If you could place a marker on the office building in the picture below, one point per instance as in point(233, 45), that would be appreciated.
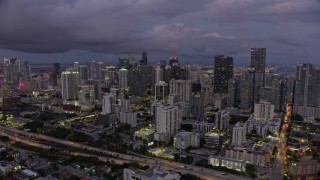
point(258, 62)
point(84, 73)
point(123, 79)
point(233, 97)
point(124, 63)
point(140, 80)
point(223, 71)
point(197, 107)
point(161, 91)
point(144, 60)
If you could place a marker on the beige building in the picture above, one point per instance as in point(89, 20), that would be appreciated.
point(258, 158)
point(306, 167)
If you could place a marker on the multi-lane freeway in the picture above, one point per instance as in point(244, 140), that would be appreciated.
point(28, 138)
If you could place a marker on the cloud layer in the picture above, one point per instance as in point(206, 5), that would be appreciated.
point(193, 30)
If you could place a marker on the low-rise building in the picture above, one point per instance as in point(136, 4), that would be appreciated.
point(229, 163)
point(153, 173)
point(214, 138)
point(306, 167)
point(241, 153)
point(183, 140)
point(145, 134)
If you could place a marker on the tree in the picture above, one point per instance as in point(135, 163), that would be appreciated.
point(250, 170)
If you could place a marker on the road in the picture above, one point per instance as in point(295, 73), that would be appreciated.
point(203, 173)
point(278, 169)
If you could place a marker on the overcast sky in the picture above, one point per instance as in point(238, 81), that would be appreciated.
point(194, 30)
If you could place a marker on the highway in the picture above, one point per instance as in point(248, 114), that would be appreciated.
point(203, 173)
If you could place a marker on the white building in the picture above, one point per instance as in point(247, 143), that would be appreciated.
point(69, 84)
point(158, 76)
point(263, 110)
point(239, 133)
point(153, 173)
point(129, 117)
point(183, 140)
point(107, 104)
point(261, 127)
point(167, 119)
point(123, 79)
point(125, 105)
point(182, 88)
point(145, 134)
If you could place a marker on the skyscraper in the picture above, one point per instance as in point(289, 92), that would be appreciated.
point(144, 60)
point(307, 89)
point(140, 79)
point(223, 71)
point(181, 87)
point(123, 79)
point(258, 61)
point(124, 63)
point(161, 91)
point(84, 73)
point(55, 73)
point(69, 84)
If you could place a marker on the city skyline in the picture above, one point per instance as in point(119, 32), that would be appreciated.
point(195, 32)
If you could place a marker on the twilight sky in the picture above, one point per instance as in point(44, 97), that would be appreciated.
point(194, 30)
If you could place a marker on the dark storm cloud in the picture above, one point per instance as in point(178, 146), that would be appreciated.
point(193, 29)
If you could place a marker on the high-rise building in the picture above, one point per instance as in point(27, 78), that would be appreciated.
point(11, 75)
point(239, 133)
point(307, 89)
point(84, 73)
point(124, 63)
point(86, 96)
point(263, 110)
point(161, 91)
point(99, 67)
point(182, 88)
point(173, 60)
point(197, 107)
point(221, 119)
point(140, 79)
point(131, 58)
point(107, 104)
point(69, 84)
point(167, 119)
point(54, 73)
point(123, 79)
point(223, 71)
point(258, 61)
point(144, 60)
point(158, 74)
point(233, 92)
